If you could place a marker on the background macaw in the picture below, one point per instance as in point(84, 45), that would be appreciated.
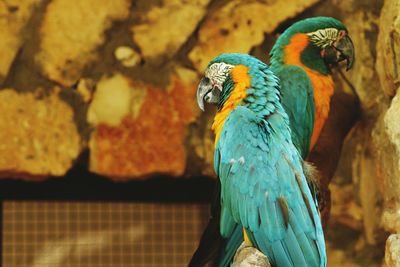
point(301, 59)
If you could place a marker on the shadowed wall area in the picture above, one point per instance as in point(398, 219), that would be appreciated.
point(106, 89)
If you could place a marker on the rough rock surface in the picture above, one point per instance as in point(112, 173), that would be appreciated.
point(145, 131)
point(388, 47)
point(71, 32)
point(389, 167)
point(247, 256)
point(30, 146)
point(240, 25)
point(392, 256)
point(14, 15)
point(383, 169)
point(165, 27)
point(115, 97)
point(127, 56)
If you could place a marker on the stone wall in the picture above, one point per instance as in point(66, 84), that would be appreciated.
point(117, 80)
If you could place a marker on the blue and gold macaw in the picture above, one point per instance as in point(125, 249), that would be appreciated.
point(263, 186)
point(301, 59)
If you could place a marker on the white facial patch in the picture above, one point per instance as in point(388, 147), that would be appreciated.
point(218, 72)
point(324, 37)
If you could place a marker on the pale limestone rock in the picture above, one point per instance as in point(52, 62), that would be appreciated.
point(166, 27)
point(391, 219)
point(85, 88)
point(240, 25)
point(14, 16)
point(70, 33)
point(392, 251)
point(379, 176)
point(390, 163)
point(392, 125)
point(114, 98)
point(247, 256)
point(30, 146)
point(388, 47)
point(127, 56)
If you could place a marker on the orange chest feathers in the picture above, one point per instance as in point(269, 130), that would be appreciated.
point(322, 84)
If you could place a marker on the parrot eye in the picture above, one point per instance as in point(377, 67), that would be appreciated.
point(329, 54)
point(206, 80)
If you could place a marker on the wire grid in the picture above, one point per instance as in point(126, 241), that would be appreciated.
point(66, 234)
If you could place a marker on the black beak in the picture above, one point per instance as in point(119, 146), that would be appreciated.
point(207, 93)
point(346, 49)
point(341, 50)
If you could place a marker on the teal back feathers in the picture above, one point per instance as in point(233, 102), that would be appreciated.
point(259, 169)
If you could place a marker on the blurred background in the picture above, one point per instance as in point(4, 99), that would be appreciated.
point(105, 159)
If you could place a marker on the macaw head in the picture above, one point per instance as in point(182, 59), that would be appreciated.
point(221, 76)
point(317, 43)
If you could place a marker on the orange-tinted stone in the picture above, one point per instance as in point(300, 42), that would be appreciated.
point(152, 142)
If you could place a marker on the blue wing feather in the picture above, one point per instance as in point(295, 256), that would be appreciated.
point(258, 164)
point(298, 102)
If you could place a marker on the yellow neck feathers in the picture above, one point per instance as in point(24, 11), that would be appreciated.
point(241, 80)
